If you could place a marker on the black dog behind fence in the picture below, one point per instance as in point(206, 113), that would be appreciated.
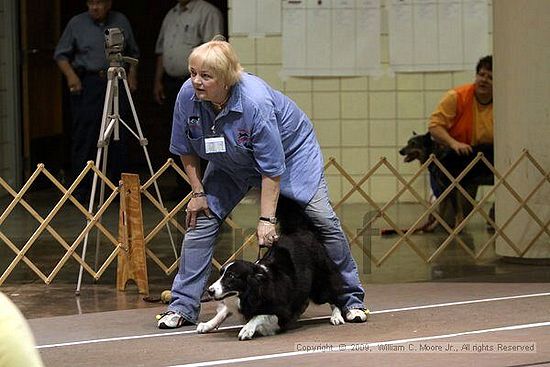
point(455, 205)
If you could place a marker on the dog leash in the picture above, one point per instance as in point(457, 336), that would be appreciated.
point(260, 247)
point(275, 238)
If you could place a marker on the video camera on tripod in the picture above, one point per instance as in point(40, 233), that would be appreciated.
point(110, 121)
point(114, 46)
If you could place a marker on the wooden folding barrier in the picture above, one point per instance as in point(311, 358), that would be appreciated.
point(136, 244)
point(131, 260)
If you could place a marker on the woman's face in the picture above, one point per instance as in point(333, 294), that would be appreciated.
point(207, 86)
point(484, 82)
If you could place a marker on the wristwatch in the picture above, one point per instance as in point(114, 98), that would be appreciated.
point(272, 220)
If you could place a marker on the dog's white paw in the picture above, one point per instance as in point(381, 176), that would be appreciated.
point(204, 327)
point(247, 332)
point(337, 318)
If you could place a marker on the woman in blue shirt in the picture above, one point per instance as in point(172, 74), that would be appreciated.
point(252, 136)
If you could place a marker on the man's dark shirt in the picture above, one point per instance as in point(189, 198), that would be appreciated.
point(83, 41)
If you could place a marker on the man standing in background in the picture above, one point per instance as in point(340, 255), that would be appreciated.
point(187, 25)
point(80, 55)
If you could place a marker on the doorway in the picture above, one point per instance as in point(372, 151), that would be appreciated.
point(45, 100)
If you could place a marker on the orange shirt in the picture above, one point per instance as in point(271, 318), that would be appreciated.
point(463, 117)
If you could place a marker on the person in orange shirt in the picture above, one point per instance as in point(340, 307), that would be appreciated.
point(464, 119)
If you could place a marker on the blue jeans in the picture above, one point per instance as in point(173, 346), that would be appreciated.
point(194, 269)
point(322, 216)
point(198, 248)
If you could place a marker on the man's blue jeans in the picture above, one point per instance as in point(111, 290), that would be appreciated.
point(198, 248)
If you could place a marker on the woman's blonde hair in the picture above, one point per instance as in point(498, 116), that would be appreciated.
point(218, 56)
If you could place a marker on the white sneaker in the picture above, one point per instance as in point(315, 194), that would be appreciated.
point(171, 320)
point(357, 315)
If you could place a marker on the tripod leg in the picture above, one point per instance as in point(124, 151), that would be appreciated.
point(113, 127)
point(100, 202)
point(107, 108)
point(90, 209)
point(143, 143)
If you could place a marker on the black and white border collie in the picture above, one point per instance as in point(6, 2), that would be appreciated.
point(272, 293)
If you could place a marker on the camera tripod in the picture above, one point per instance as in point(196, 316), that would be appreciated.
point(110, 122)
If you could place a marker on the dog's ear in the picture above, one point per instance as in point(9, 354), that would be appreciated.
point(427, 139)
point(254, 290)
point(259, 273)
point(255, 278)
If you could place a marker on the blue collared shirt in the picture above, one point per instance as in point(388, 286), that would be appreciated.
point(83, 41)
point(265, 134)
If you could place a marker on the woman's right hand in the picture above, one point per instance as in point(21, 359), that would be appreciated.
point(195, 207)
point(461, 148)
point(266, 233)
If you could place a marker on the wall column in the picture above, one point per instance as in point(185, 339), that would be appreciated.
point(521, 36)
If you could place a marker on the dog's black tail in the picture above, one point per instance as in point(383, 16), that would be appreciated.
point(291, 216)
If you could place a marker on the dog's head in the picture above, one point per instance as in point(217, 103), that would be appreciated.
point(418, 147)
point(236, 278)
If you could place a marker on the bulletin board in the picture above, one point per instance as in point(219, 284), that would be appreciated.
point(437, 35)
point(331, 37)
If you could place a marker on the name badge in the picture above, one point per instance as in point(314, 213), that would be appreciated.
point(214, 145)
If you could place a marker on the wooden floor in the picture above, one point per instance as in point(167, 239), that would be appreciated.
point(469, 322)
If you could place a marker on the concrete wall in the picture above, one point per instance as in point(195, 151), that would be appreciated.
point(522, 115)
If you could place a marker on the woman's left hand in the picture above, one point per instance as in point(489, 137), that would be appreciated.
point(267, 234)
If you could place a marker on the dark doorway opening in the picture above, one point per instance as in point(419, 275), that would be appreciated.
point(47, 118)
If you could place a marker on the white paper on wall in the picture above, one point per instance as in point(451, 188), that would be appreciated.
point(256, 17)
point(331, 37)
point(437, 35)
